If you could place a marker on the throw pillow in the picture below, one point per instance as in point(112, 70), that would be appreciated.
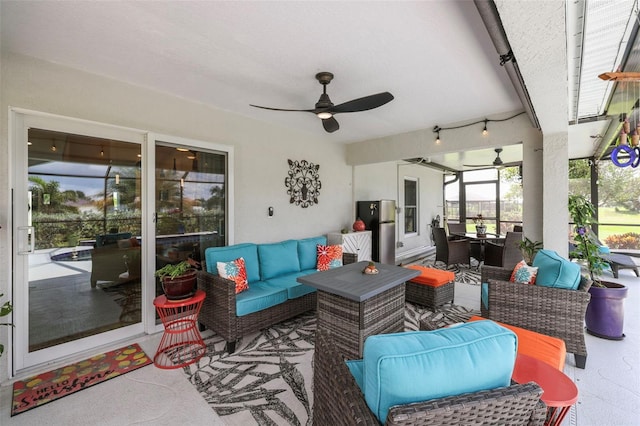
point(524, 273)
point(329, 257)
point(235, 271)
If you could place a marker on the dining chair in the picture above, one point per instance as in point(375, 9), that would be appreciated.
point(505, 255)
point(517, 228)
point(456, 230)
point(450, 252)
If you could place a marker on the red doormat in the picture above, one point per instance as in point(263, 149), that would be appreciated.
point(46, 387)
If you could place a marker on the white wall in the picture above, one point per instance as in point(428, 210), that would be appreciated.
point(261, 150)
point(381, 181)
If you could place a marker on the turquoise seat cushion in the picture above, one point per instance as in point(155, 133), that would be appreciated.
point(248, 251)
point(356, 367)
point(308, 251)
point(259, 296)
point(484, 295)
point(556, 271)
point(278, 259)
point(401, 368)
point(293, 287)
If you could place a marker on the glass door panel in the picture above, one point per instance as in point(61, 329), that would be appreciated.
point(480, 198)
point(84, 218)
point(191, 203)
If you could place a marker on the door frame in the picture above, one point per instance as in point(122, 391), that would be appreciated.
point(20, 119)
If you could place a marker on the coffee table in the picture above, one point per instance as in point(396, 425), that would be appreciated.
point(559, 392)
point(353, 306)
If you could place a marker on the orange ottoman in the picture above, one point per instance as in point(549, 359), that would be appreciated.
point(550, 350)
point(432, 288)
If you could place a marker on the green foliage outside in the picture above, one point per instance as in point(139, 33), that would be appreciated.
point(618, 200)
point(5, 310)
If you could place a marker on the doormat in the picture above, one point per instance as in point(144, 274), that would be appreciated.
point(46, 387)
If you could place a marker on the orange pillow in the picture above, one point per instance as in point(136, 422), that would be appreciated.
point(524, 273)
point(329, 257)
point(235, 271)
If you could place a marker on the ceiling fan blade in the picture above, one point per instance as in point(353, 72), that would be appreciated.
point(363, 104)
point(330, 124)
point(478, 165)
point(281, 109)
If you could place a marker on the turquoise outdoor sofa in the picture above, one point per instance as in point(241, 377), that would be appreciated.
point(273, 296)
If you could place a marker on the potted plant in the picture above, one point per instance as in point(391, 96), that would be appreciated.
point(481, 228)
point(178, 280)
point(605, 312)
point(529, 249)
point(5, 310)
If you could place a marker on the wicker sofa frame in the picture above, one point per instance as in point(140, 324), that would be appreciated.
point(218, 311)
point(552, 311)
point(338, 400)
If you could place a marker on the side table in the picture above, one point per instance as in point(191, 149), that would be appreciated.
point(559, 391)
point(181, 343)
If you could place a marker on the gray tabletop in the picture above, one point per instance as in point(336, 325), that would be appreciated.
point(350, 282)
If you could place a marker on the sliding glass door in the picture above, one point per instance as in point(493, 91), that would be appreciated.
point(96, 210)
point(190, 199)
point(78, 221)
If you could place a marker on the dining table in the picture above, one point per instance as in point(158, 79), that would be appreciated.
point(478, 243)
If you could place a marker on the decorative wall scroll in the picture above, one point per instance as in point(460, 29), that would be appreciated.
point(303, 183)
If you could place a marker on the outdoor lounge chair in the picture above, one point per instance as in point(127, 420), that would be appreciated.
point(339, 401)
point(552, 311)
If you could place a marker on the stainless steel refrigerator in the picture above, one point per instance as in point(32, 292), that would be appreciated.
point(380, 218)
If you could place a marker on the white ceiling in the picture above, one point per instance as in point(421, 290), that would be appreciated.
point(435, 57)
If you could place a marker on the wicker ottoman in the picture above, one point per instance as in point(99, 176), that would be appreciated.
point(432, 288)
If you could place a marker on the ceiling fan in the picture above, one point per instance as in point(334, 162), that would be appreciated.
point(496, 163)
point(325, 109)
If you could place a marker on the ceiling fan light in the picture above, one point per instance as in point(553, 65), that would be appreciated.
point(324, 115)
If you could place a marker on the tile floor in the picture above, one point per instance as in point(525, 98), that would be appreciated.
point(609, 387)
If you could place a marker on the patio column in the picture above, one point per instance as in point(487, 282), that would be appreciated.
point(532, 187)
point(555, 214)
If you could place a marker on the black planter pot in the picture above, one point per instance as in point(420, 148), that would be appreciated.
point(605, 312)
point(181, 287)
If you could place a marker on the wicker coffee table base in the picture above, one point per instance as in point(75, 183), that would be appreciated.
point(350, 323)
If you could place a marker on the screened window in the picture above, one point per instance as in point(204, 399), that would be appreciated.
point(410, 206)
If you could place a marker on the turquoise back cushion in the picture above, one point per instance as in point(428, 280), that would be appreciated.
point(278, 259)
point(248, 251)
point(556, 271)
point(308, 252)
point(401, 368)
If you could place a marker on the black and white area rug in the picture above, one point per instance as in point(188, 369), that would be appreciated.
point(269, 379)
point(468, 274)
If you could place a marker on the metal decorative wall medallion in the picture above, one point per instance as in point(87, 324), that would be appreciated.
point(303, 183)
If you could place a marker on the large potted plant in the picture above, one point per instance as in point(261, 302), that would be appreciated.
point(178, 280)
point(605, 312)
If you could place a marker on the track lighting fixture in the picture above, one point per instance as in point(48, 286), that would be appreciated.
point(53, 146)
